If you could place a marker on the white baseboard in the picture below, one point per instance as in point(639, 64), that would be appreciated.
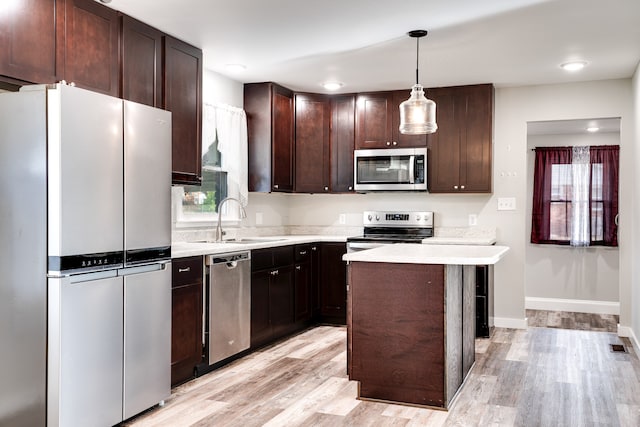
point(626, 331)
point(574, 305)
point(509, 322)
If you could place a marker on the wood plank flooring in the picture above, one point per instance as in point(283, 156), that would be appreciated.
point(534, 377)
point(571, 320)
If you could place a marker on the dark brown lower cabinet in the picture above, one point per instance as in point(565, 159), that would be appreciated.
point(186, 318)
point(303, 283)
point(333, 283)
point(411, 334)
point(272, 294)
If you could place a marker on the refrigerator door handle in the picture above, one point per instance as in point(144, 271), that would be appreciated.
point(88, 277)
point(160, 265)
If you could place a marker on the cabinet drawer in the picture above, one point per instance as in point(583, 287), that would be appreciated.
point(282, 256)
point(186, 271)
point(302, 253)
point(261, 259)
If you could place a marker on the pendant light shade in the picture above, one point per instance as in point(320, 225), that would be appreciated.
point(417, 114)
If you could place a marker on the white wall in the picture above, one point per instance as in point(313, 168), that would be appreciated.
point(218, 89)
point(555, 272)
point(633, 227)
point(514, 108)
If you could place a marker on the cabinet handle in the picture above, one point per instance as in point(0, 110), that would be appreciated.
point(298, 268)
point(462, 187)
point(395, 143)
point(455, 187)
point(303, 252)
point(388, 143)
point(326, 188)
point(184, 270)
point(276, 186)
point(350, 188)
point(274, 273)
point(314, 248)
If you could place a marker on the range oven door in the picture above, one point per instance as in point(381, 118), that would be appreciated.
point(390, 169)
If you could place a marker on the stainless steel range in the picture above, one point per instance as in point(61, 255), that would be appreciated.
point(388, 227)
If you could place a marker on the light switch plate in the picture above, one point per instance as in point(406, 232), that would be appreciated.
point(342, 219)
point(473, 220)
point(506, 203)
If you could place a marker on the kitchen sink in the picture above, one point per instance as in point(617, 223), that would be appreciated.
point(245, 240)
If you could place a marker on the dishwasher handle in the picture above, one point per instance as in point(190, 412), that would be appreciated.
point(228, 258)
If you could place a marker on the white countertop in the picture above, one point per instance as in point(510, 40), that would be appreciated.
point(185, 249)
point(407, 253)
point(455, 240)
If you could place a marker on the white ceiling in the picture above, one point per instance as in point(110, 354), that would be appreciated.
point(363, 43)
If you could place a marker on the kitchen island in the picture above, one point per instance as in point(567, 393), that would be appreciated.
point(410, 319)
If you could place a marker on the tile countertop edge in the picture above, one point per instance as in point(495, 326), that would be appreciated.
point(186, 249)
point(431, 254)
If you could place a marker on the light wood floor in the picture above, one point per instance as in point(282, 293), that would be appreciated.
point(534, 377)
point(571, 320)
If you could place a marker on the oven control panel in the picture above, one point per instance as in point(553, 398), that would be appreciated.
point(397, 219)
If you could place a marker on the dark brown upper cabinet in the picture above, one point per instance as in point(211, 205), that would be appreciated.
point(459, 159)
point(91, 58)
point(183, 97)
point(312, 156)
point(32, 40)
point(378, 120)
point(342, 142)
point(270, 120)
point(141, 62)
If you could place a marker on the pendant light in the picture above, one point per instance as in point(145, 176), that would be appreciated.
point(417, 114)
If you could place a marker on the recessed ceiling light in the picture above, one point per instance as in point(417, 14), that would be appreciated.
point(573, 66)
point(332, 85)
point(235, 68)
point(105, 1)
point(593, 129)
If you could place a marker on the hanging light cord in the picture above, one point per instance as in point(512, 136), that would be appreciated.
point(417, 58)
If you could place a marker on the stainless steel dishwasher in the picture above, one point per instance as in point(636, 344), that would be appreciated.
point(229, 305)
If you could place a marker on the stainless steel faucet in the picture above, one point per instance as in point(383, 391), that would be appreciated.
point(243, 214)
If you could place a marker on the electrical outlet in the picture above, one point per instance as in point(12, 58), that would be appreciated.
point(342, 219)
point(506, 203)
point(473, 220)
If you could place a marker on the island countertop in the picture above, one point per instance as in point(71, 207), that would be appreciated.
point(408, 253)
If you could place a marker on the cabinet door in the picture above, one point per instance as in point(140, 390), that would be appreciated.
point(141, 62)
point(281, 301)
point(312, 125)
point(342, 142)
point(333, 286)
point(186, 318)
point(476, 139)
point(91, 59)
point(260, 325)
point(460, 150)
point(282, 140)
point(183, 97)
point(31, 37)
point(315, 280)
point(443, 160)
point(302, 279)
point(374, 120)
point(399, 139)
point(303, 291)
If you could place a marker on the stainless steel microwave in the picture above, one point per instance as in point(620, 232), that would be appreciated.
point(403, 169)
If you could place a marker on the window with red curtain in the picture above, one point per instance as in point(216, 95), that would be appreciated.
point(575, 202)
